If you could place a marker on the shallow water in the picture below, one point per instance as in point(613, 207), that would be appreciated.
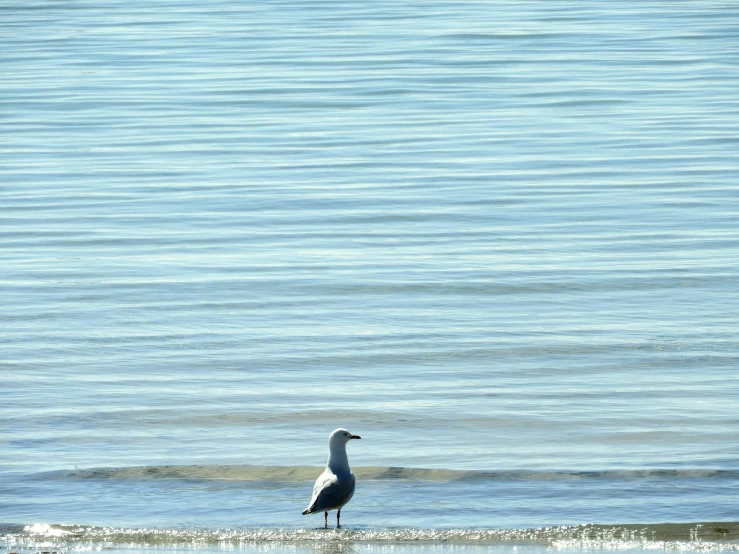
point(497, 240)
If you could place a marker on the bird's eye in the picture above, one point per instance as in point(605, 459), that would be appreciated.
point(346, 435)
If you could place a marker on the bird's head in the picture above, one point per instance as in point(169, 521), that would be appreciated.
point(341, 436)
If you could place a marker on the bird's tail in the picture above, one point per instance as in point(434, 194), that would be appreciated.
point(308, 511)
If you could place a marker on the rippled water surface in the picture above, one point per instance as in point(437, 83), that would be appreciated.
point(498, 240)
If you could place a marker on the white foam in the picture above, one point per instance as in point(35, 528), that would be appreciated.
point(45, 529)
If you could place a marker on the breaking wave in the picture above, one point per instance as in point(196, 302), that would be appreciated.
point(308, 473)
point(706, 536)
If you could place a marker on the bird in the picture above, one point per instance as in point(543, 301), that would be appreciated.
point(335, 486)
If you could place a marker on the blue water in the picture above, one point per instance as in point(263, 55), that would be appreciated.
point(496, 239)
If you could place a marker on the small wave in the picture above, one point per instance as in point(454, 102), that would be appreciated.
point(308, 474)
point(702, 536)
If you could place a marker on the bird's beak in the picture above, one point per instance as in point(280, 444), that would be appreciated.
point(355, 437)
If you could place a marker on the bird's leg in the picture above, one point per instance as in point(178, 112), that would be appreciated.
point(338, 517)
point(325, 520)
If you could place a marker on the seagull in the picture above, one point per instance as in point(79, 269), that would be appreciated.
point(335, 486)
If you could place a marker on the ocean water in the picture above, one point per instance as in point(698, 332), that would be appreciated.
point(499, 240)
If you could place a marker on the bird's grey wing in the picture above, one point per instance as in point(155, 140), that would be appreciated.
point(324, 480)
point(335, 491)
